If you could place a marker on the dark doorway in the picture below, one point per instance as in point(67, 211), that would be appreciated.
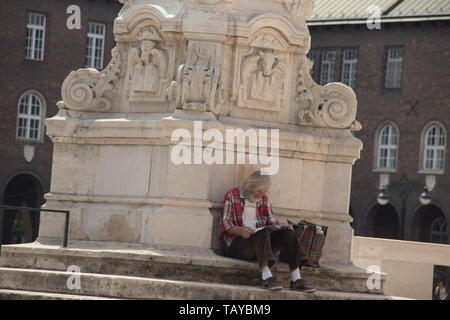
point(19, 227)
point(430, 225)
point(383, 222)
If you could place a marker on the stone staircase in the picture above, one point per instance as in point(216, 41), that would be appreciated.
point(116, 271)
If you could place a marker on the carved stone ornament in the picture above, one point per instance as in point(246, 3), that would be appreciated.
point(197, 79)
point(263, 71)
point(333, 105)
point(209, 2)
point(126, 5)
point(28, 153)
point(262, 80)
point(88, 89)
point(299, 8)
point(147, 68)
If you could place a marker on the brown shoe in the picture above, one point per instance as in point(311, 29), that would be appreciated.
point(301, 285)
point(271, 284)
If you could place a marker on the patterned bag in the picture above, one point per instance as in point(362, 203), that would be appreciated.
point(312, 238)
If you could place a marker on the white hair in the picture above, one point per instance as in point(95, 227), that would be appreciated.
point(256, 179)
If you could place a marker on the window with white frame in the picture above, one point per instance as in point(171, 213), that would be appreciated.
point(35, 37)
point(387, 147)
point(434, 148)
point(327, 66)
point(95, 45)
point(394, 67)
point(349, 65)
point(29, 117)
point(438, 232)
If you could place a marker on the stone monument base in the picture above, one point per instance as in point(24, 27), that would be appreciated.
point(118, 176)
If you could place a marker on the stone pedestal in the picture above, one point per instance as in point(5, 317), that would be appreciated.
point(206, 68)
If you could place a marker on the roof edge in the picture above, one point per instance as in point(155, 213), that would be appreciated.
point(363, 20)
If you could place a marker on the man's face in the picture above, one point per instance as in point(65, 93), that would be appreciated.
point(260, 191)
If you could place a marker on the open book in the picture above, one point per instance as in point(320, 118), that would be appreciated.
point(272, 228)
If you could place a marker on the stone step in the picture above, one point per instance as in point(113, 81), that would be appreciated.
point(127, 287)
point(6, 294)
point(180, 264)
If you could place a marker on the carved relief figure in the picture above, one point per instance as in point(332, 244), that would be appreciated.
point(197, 76)
point(147, 67)
point(197, 79)
point(262, 77)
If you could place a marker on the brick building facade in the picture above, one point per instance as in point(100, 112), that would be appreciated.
point(401, 75)
point(397, 106)
point(37, 51)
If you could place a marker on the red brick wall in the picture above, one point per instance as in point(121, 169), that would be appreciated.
point(64, 51)
point(426, 80)
point(426, 74)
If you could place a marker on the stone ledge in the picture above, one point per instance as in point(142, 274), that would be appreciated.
point(146, 288)
point(6, 294)
point(191, 264)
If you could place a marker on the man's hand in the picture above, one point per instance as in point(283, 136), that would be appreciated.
point(244, 232)
point(247, 232)
point(290, 227)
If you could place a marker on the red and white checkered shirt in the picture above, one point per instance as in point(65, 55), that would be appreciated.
point(232, 210)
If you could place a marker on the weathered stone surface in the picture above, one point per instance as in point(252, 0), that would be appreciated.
point(146, 288)
point(229, 65)
point(189, 265)
point(6, 294)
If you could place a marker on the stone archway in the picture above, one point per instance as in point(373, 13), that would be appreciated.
point(18, 227)
point(430, 225)
point(382, 222)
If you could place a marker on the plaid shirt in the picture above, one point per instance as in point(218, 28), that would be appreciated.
point(232, 210)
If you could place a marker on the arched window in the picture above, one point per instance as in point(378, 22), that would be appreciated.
point(434, 148)
point(29, 118)
point(387, 147)
point(438, 232)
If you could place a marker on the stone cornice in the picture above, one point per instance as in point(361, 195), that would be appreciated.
point(156, 129)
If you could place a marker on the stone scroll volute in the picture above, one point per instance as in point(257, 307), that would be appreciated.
point(90, 90)
point(333, 105)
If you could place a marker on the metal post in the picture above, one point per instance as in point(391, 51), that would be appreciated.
point(66, 229)
point(31, 210)
point(402, 218)
point(2, 213)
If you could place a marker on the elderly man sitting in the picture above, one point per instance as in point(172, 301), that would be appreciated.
point(244, 211)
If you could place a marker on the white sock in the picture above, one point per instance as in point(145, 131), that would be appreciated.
point(266, 274)
point(295, 275)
